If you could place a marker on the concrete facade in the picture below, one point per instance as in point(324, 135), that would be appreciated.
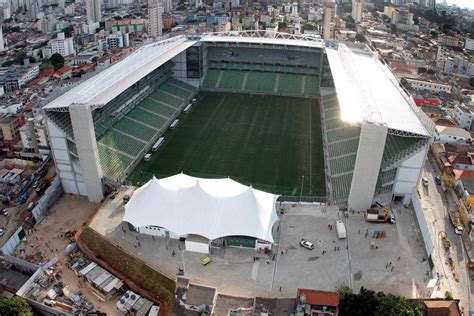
point(86, 145)
point(367, 165)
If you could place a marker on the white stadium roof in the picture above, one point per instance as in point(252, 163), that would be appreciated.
point(211, 208)
point(368, 91)
point(108, 84)
point(263, 37)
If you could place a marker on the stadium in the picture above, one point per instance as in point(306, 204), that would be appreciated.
point(290, 115)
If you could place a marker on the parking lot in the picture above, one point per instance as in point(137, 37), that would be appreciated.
point(357, 261)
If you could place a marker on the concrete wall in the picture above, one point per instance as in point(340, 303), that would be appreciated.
point(409, 174)
point(367, 166)
point(179, 70)
point(71, 176)
point(84, 135)
point(420, 217)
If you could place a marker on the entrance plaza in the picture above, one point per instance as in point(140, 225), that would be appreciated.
point(238, 272)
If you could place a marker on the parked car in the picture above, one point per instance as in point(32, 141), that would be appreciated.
point(2, 232)
point(306, 244)
point(392, 219)
point(438, 180)
point(459, 230)
point(113, 194)
point(205, 261)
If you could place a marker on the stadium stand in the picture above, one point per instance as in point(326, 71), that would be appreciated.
point(397, 148)
point(342, 142)
point(260, 81)
point(290, 84)
point(122, 141)
point(211, 79)
point(231, 80)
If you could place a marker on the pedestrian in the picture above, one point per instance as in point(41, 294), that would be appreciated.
point(386, 266)
point(359, 231)
point(392, 269)
point(173, 253)
point(329, 226)
point(335, 248)
point(398, 259)
point(390, 263)
point(280, 288)
point(286, 250)
point(281, 253)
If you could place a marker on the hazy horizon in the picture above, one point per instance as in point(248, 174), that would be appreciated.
point(460, 3)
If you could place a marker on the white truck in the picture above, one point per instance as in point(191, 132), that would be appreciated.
point(341, 229)
point(128, 195)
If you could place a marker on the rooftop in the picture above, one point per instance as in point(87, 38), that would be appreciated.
point(108, 84)
point(368, 91)
point(321, 298)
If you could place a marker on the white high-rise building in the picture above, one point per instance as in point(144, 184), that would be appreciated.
point(2, 42)
point(62, 45)
point(155, 18)
point(329, 23)
point(357, 6)
point(93, 10)
point(294, 9)
point(167, 6)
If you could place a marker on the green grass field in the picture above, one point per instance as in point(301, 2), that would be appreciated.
point(270, 142)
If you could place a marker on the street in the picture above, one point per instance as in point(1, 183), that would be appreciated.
point(436, 204)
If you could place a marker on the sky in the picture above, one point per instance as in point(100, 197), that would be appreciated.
point(461, 3)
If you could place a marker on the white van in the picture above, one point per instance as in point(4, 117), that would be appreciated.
point(147, 157)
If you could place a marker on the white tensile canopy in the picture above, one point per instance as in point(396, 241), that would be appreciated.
point(212, 208)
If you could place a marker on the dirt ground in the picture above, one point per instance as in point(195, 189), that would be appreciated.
point(44, 242)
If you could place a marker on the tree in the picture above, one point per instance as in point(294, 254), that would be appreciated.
point(360, 37)
point(421, 70)
point(67, 31)
point(448, 296)
point(395, 305)
point(404, 82)
point(282, 25)
point(393, 28)
point(15, 306)
point(56, 59)
point(471, 81)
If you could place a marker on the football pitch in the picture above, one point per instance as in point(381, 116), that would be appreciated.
point(273, 143)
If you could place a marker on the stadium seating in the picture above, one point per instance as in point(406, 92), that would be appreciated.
point(157, 107)
point(232, 80)
point(147, 117)
point(311, 86)
point(135, 129)
point(343, 148)
point(343, 164)
point(63, 121)
point(397, 148)
point(290, 84)
point(211, 79)
point(343, 133)
point(188, 88)
point(260, 81)
point(112, 162)
point(166, 98)
point(341, 186)
point(122, 143)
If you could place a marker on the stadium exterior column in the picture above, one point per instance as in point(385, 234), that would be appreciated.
point(367, 166)
point(84, 135)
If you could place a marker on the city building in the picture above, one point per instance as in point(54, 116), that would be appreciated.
point(34, 135)
point(62, 45)
point(469, 44)
point(451, 135)
point(402, 16)
point(2, 41)
point(115, 40)
point(429, 86)
point(329, 19)
point(464, 116)
point(167, 6)
point(454, 63)
point(93, 10)
point(155, 19)
point(318, 302)
point(357, 8)
point(9, 128)
point(447, 40)
point(16, 77)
